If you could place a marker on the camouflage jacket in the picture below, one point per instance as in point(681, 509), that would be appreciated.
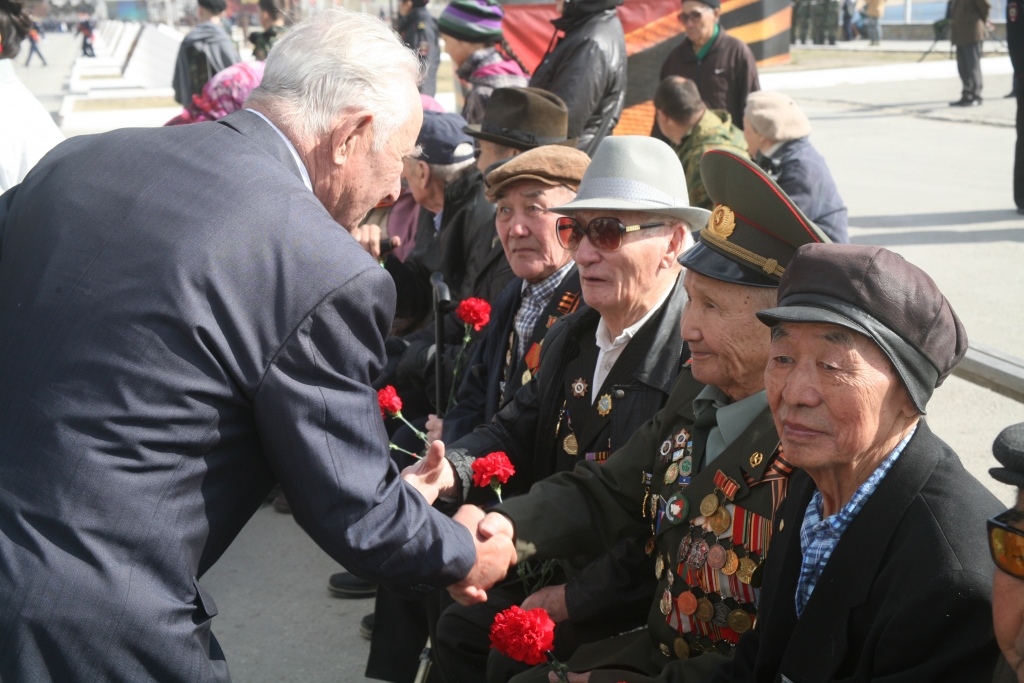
point(262, 41)
point(715, 130)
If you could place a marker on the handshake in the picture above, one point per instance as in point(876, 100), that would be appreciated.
point(434, 477)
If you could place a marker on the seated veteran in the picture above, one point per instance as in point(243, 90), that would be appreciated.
point(603, 371)
point(694, 129)
point(546, 286)
point(1006, 543)
point(703, 479)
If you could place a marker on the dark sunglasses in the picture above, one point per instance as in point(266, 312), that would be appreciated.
point(604, 233)
point(1006, 541)
point(691, 16)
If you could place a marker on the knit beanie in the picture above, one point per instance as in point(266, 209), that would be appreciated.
point(474, 21)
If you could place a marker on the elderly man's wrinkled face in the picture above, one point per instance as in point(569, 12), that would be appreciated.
point(622, 285)
point(527, 230)
point(356, 176)
point(837, 401)
point(1008, 613)
point(699, 21)
point(728, 344)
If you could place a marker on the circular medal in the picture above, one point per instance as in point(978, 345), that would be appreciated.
point(746, 570)
point(716, 557)
point(659, 566)
point(649, 546)
point(666, 602)
point(672, 473)
point(570, 445)
point(676, 509)
point(721, 617)
point(664, 649)
point(709, 504)
point(666, 447)
point(681, 438)
point(681, 649)
point(732, 563)
point(720, 520)
point(684, 548)
point(686, 466)
point(687, 603)
point(705, 610)
point(740, 621)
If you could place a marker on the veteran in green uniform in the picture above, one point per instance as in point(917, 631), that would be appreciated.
point(704, 478)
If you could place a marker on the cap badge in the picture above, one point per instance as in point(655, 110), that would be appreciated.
point(722, 222)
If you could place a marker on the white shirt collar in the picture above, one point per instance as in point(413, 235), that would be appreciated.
point(291, 148)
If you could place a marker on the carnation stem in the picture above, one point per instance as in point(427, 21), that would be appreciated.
point(496, 485)
point(399, 448)
point(560, 669)
point(416, 431)
point(455, 373)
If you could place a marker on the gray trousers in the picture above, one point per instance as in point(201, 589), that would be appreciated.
point(968, 63)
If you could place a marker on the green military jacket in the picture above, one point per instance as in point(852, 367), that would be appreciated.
point(715, 130)
point(648, 487)
point(262, 42)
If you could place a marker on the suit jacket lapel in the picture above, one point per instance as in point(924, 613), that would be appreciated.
point(263, 136)
point(817, 647)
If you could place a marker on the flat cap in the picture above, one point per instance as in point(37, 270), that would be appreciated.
point(879, 294)
point(1009, 451)
point(776, 116)
point(755, 228)
point(550, 164)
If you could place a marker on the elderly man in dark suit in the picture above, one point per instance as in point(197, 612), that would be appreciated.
point(184, 320)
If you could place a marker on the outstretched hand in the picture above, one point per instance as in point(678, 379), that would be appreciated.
point(494, 557)
point(433, 475)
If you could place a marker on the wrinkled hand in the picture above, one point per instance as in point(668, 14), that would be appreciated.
point(369, 237)
point(494, 556)
point(433, 476)
point(573, 678)
point(495, 523)
point(552, 600)
point(434, 427)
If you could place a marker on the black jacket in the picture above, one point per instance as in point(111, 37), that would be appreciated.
point(482, 392)
point(802, 173)
point(165, 358)
point(205, 51)
point(906, 596)
point(587, 69)
point(419, 32)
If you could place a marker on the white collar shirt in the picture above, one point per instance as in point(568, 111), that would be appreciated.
point(291, 148)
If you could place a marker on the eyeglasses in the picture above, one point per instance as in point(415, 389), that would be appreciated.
point(604, 233)
point(1006, 541)
point(695, 15)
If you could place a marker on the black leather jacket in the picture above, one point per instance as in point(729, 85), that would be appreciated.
point(587, 69)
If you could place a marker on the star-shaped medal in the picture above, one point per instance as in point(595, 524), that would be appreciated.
point(579, 388)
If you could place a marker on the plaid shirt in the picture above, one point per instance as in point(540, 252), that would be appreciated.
point(819, 537)
point(535, 299)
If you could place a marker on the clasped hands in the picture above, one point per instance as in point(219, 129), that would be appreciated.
point(434, 477)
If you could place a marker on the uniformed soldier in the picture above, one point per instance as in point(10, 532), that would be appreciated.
point(418, 29)
point(272, 19)
point(801, 21)
point(704, 478)
point(824, 21)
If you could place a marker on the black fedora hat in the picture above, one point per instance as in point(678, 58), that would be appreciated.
point(523, 118)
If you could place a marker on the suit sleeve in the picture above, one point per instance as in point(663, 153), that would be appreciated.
point(605, 500)
point(321, 430)
point(617, 585)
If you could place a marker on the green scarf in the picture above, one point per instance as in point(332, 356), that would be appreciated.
point(706, 48)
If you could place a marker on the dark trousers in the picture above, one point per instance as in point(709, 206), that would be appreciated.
point(968, 64)
point(401, 626)
point(33, 49)
point(1018, 158)
point(87, 50)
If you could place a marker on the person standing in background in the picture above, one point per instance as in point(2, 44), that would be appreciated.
point(418, 29)
point(723, 67)
point(472, 32)
point(85, 28)
point(873, 10)
point(205, 51)
point(587, 68)
point(1015, 43)
point(969, 19)
point(272, 19)
point(34, 36)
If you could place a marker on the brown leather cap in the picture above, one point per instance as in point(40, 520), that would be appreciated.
point(877, 293)
point(550, 164)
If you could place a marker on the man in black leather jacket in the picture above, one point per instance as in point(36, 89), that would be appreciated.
point(587, 68)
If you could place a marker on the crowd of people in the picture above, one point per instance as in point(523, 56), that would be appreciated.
point(710, 405)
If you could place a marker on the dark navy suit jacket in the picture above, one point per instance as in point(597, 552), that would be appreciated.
point(181, 325)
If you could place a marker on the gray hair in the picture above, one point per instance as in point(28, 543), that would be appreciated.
point(336, 62)
point(449, 172)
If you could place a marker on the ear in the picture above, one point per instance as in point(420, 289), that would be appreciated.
point(350, 135)
point(422, 173)
point(675, 246)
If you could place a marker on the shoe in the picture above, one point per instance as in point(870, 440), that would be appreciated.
point(280, 504)
point(350, 586)
point(366, 627)
point(964, 101)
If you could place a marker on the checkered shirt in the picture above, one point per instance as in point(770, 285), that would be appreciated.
point(535, 300)
point(819, 537)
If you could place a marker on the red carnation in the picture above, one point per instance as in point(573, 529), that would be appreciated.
point(390, 403)
point(475, 312)
point(496, 465)
point(524, 635)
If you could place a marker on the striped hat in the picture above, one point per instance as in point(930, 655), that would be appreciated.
point(474, 21)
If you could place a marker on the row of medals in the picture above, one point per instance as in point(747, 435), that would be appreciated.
point(696, 552)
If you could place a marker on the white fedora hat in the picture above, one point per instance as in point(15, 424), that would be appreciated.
point(636, 173)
